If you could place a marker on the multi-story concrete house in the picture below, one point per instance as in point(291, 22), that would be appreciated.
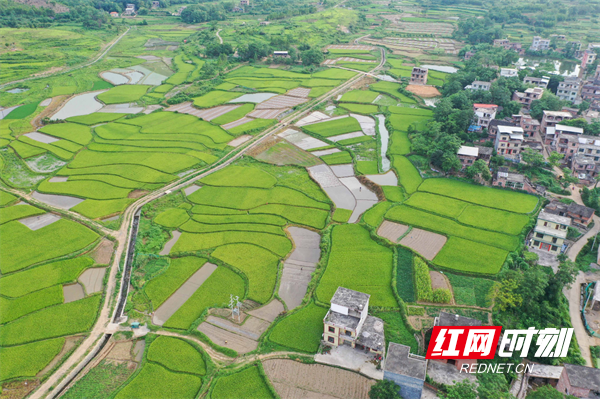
point(469, 54)
point(564, 140)
point(348, 322)
point(569, 89)
point(508, 72)
point(493, 127)
point(528, 96)
point(529, 125)
point(508, 45)
point(537, 82)
point(580, 215)
point(479, 85)
point(454, 320)
point(540, 44)
point(552, 118)
point(129, 10)
point(587, 58)
point(579, 381)
point(419, 76)
point(508, 142)
point(514, 181)
point(550, 232)
point(484, 114)
point(467, 155)
point(406, 370)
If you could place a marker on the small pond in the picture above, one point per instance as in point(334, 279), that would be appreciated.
point(17, 90)
point(83, 104)
point(555, 67)
point(441, 68)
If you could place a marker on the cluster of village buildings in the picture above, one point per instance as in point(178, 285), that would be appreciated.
point(348, 323)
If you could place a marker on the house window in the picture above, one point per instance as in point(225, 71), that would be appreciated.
point(539, 235)
point(331, 339)
point(545, 224)
point(554, 247)
point(331, 329)
point(554, 240)
point(348, 333)
point(536, 243)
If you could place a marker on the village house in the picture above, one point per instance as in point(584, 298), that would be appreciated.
point(469, 54)
point(552, 118)
point(419, 76)
point(528, 96)
point(543, 374)
point(281, 54)
point(587, 58)
point(569, 89)
point(514, 181)
point(406, 370)
point(264, 23)
point(114, 14)
point(454, 320)
point(244, 3)
point(540, 44)
point(529, 125)
point(493, 127)
point(564, 140)
point(580, 215)
point(484, 114)
point(479, 85)
point(508, 72)
point(508, 45)
point(590, 91)
point(508, 142)
point(467, 155)
point(348, 322)
point(584, 168)
point(484, 153)
point(579, 381)
point(130, 9)
point(537, 82)
point(155, 4)
point(550, 232)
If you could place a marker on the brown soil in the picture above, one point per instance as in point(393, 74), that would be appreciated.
point(420, 322)
point(49, 110)
point(438, 280)
point(294, 380)
point(426, 243)
point(103, 252)
point(70, 343)
point(18, 389)
point(424, 91)
point(121, 351)
point(137, 193)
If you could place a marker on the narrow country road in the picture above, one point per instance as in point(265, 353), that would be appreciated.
point(81, 356)
point(87, 64)
point(573, 294)
point(219, 36)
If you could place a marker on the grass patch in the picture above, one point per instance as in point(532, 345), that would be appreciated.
point(248, 383)
point(172, 217)
point(278, 244)
point(422, 280)
point(234, 114)
point(40, 277)
point(6, 198)
point(396, 331)
point(507, 200)
point(18, 253)
point(160, 288)
point(494, 219)
point(11, 309)
point(258, 264)
point(374, 216)
point(100, 382)
point(341, 215)
point(177, 355)
point(334, 127)
point(338, 158)
point(393, 193)
point(367, 167)
point(94, 119)
point(94, 209)
point(66, 319)
point(294, 214)
point(400, 143)
point(437, 204)
point(25, 150)
point(471, 291)
point(405, 275)
point(469, 256)
point(356, 140)
point(123, 94)
point(408, 176)
point(301, 330)
point(23, 111)
point(28, 360)
point(240, 176)
point(252, 126)
point(359, 96)
point(391, 89)
point(358, 263)
point(364, 109)
point(214, 98)
point(214, 292)
point(154, 381)
point(19, 212)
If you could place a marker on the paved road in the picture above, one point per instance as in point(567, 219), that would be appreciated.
point(573, 294)
point(219, 36)
point(87, 64)
point(57, 380)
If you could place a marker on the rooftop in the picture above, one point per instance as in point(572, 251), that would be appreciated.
point(558, 113)
point(400, 361)
point(510, 129)
point(468, 151)
point(550, 217)
point(515, 178)
point(545, 371)
point(583, 377)
point(485, 105)
point(570, 129)
point(485, 150)
point(341, 320)
point(371, 333)
point(350, 299)
point(500, 122)
point(580, 210)
point(449, 319)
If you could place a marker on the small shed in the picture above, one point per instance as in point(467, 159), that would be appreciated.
point(405, 370)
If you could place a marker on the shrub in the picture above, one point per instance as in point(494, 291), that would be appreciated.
point(423, 280)
point(441, 295)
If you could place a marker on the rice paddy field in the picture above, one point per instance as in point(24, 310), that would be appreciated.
point(32, 283)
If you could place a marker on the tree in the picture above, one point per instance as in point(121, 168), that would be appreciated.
point(506, 296)
point(385, 389)
point(534, 159)
point(548, 102)
point(311, 57)
point(462, 390)
point(547, 392)
point(555, 157)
